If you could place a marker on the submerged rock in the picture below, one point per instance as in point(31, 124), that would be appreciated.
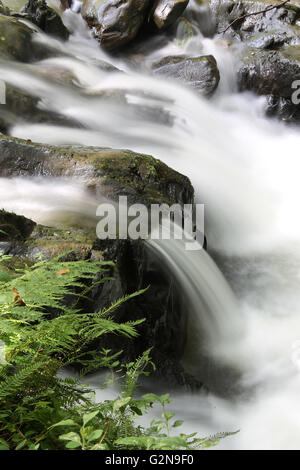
point(23, 107)
point(115, 23)
point(201, 73)
point(272, 73)
point(166, 12)
point(39, 13)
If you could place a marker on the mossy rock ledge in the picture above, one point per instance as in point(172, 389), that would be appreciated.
point(143, 179)
point(106, 172)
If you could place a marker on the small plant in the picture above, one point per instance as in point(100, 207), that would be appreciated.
point(42, 330)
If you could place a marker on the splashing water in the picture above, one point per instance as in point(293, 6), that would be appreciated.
point(244, 169)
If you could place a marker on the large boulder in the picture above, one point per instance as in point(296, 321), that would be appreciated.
point(201, 73)
point(166, 12)
point(108, 172)
point(272, 73)
point(115, 23)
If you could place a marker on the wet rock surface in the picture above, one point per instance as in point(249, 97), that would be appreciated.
point(268, 56)
point(272, 73)
point(166, 12)
point(115, 23)
point(17, 41)
point(106, 171)
point(201, 73)
point(226, 12)
point(39, 13)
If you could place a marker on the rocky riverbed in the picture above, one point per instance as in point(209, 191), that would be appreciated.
point(264, 38)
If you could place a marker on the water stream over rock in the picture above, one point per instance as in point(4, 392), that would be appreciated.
point(244, 168)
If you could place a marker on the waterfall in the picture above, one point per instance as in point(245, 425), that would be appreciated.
point(244, 310)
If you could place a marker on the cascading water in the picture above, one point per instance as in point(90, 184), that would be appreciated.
point(244, 169)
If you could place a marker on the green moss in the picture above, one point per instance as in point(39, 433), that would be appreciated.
point(109, 172)
point(49, 242)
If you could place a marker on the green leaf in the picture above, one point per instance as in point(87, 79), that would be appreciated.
point(143, 442)
point(73, 445)
point(168, 416)
point(21, 445)
point(177, 424)
point(3, 445)
point(96, 435)
point(65, 422)
point(70, 436)
point(89, 416)
point(165, 398)
point(151, 398)
point(120, 402)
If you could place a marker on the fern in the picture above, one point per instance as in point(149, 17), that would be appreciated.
point(43, 329)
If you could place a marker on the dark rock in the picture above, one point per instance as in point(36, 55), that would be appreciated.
point(283, 18)
point(201, 73)
point(39, 13)
point(115, 22)
point(272, 73)
point(108, 172)
point(166, 12)
point(165, 326)
point(14, 227)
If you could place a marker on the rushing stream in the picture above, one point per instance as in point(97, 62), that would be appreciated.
point(244, 168)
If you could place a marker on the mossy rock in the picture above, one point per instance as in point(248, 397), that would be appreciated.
point(71, 244)
point(106, 172)
point(14, 227)
point(16, 41)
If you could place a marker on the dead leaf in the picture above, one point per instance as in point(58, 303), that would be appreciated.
point(63, 272)
point(17, 298)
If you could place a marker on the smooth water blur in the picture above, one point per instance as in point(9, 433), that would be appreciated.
point(245, 169)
